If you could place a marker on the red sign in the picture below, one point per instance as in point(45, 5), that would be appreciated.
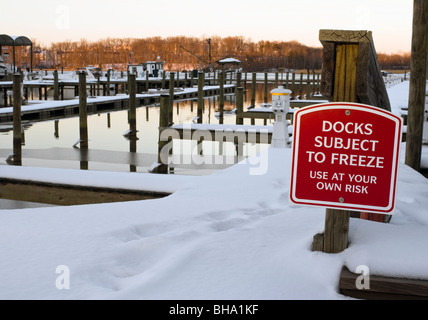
point(345, 156)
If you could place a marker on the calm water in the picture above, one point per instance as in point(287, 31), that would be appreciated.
point(50, 143)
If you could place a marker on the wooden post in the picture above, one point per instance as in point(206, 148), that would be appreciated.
point(265, 99)
point(108, 83)
point(163, 81)
point(171, 98)
point(293, 85)
point(17, 127)
point(350, 73)
point(238, 79)
point(56, 87)
point(132, 108)
point(418, 67)
point(132, 119)
point(318, 83)
point(221, 97)
point(253, 90)
point(369, 85)
point(239, 105)
point(163, 123)
point(147, 81)
point(200, 96)
point(301, 86)
point(83, 113)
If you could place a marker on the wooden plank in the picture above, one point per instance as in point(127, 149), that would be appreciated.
point(376, 89)
point(327, 77)
point(342, 36)
point(383, 287)
point(340, 74)
point(351, 72)
point(64, 194)
point(418, 69)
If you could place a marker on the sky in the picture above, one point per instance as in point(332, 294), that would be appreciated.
point(58, 20)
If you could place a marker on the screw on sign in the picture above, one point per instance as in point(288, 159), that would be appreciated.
point(345, 156)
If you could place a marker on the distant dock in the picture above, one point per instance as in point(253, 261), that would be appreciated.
point(45, 110)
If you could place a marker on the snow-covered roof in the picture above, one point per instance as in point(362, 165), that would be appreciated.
point(229, 60)
point(6, 40)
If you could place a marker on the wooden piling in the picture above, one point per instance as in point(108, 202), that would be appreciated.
point(221, 97)
point(293, 85)
point(265, 98)
point(132, 108)
point(238, 79)
point(350, 74)
point(17, 127)
point(163, 123)
point(147, 81)
point(171, 98)
point(56, 86)
point(200, 96)
point(108, 83)
point(83, 112)
point(418, 67)
point(253, 89)
point(301, 86)
point(163, 80)
point(308, 85)
point(239, 105)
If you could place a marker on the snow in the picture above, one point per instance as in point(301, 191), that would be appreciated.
point(229, 60)
point(52, 104)
point(229, 235)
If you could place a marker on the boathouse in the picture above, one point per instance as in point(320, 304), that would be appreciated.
point(153, 67)
point(229, 64)
point(14, 41)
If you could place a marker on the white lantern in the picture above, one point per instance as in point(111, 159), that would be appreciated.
point(280, 106)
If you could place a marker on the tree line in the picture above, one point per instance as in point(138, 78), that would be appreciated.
point(184, 53)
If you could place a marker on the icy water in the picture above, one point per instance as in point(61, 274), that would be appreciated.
point(50, 143)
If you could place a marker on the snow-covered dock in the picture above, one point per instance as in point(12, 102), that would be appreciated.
point(71, 187)
point(34, 110)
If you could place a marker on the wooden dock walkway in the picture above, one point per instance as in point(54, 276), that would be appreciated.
point(383, 288)
point(44, 110)
point(72, 187)
point(225, 132)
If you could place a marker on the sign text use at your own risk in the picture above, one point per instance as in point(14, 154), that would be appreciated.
point(345, 156)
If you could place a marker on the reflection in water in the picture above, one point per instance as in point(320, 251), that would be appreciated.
point(112, 149)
